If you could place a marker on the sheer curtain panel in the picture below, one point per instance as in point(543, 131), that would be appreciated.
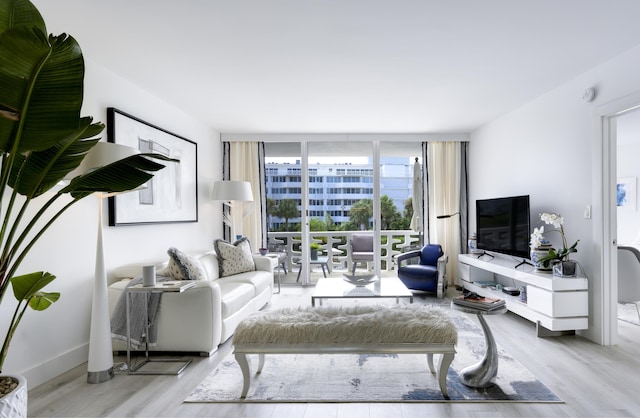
point(447, 195)
point(243, 162)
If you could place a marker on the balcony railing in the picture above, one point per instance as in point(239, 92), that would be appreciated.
point(336, 245)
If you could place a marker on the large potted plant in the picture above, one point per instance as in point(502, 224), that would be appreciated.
point(43, 138)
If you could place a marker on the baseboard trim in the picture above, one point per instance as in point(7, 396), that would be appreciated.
point(46, 371)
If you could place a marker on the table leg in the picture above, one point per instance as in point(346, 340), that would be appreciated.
point(324, 273)
point(480, 375)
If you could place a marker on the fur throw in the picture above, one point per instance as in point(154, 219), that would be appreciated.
point(397, 324)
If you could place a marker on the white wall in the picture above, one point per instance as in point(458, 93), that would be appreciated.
point(51, 342)
point(547, 149)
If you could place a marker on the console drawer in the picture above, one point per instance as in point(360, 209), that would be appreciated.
point(558, 304)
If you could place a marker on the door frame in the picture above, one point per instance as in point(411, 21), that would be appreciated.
point(605, 216)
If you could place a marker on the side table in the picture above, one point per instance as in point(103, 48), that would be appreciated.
point(479, 375)
point(277, 260)
point(161, 287)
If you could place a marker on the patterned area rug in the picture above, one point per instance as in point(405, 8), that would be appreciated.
point(373, 378)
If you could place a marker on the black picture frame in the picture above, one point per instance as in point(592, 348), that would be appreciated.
point(172, 195)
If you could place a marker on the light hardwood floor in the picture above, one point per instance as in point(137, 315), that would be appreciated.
point(592, 380)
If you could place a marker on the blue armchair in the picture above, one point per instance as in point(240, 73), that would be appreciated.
point(428, 274)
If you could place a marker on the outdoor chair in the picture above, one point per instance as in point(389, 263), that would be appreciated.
point(361, 249)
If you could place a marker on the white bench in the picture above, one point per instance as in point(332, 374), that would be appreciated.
point(397, 329)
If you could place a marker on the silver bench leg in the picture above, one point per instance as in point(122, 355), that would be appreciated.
point(246, 373)
point(430, 363)
point(260, 363)
point(445, 362)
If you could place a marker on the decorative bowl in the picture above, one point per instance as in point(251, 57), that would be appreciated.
point(360, 280)
point(263, 251)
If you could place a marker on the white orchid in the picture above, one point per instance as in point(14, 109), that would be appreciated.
point(552, 219)
point(537, 237)
point(563, 253)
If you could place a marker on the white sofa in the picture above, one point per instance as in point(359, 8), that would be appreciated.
point(206, 315)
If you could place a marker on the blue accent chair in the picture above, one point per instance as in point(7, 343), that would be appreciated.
point(428, 274)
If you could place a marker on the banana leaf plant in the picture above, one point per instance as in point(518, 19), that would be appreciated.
point(43, 138)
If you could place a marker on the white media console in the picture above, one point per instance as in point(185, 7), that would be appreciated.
point(555, 304)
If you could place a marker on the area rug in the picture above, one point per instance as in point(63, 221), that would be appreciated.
point(628, 313)
point(373, 378)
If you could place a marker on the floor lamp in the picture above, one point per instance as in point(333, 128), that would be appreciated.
point(230, 191)
point(100, 364)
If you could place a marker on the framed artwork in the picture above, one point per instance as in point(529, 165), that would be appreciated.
point(172, 194)
point(626, 193)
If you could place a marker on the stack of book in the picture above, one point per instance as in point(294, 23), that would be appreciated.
point(479, 302)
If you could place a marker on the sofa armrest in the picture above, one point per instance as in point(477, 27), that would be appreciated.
point(442, 277)
point(263, 263)
point(187, 321)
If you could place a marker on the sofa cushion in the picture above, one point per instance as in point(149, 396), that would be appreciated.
point(234, 258)
point(182, 266)
point(235, 295)
point(260, 280)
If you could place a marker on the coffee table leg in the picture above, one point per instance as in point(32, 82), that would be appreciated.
point(480, 375)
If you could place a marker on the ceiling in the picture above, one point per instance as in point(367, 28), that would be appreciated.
point(347, 66)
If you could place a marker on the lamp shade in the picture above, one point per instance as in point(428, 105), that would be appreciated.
point(232, 190)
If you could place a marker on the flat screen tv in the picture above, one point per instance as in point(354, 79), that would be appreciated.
point(503, 225)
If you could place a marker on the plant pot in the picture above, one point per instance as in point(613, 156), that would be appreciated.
point(314, 254)
point(565, 269)
point(538, 253)
point(14, 403)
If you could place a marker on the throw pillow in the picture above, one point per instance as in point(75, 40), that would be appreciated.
point(182, 266)
point(234, 258)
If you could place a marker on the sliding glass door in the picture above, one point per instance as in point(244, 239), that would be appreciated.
point(340, 202)
point(319, 194)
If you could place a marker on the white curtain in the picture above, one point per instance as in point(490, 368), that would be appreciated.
point(244, 164)
point(444, 171)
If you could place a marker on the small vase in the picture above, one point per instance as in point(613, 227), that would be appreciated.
point(565, 268)
point(314, 254)
point(473, 244)
point(537, 254)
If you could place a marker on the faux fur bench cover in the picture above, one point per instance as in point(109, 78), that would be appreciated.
point(348, 325)
point(414, 329)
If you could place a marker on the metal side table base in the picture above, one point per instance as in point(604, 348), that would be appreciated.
point(480, 375)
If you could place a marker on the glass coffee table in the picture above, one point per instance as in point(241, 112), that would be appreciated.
point(338, 288)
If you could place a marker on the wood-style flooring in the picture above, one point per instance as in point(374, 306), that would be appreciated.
point(592, 380)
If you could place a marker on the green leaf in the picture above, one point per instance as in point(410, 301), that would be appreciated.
point(41, 170)
point(19, 13)
point(28, 285)
point(120, 176)
point(41, 89)
point(41, 300)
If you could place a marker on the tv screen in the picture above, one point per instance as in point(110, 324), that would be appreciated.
point(503, 225)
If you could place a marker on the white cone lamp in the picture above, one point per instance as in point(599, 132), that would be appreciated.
point(100, 364)
point(230, 191)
